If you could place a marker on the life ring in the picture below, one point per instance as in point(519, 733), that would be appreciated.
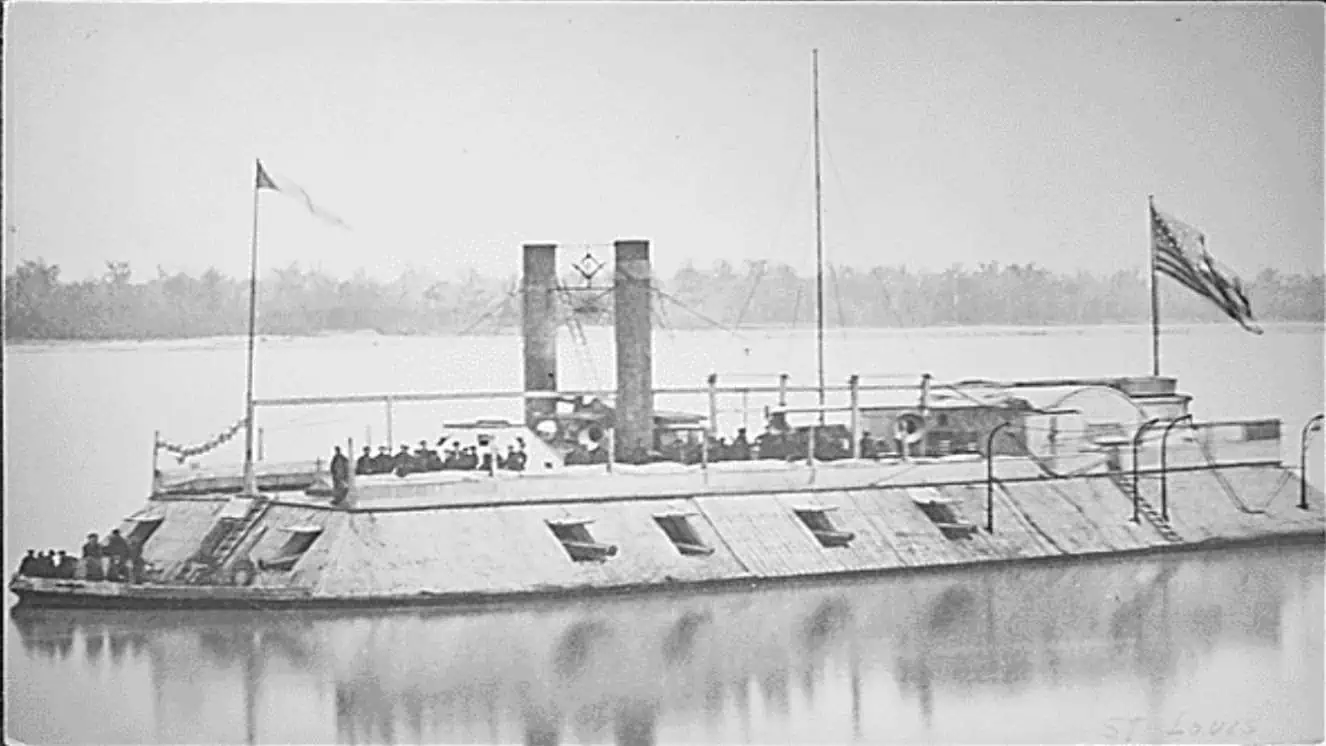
point(591, 437)
point(547, 430)
point(909, 428)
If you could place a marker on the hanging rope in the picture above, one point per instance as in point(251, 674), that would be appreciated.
point(186, 452)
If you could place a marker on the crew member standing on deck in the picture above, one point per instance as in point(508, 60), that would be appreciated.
point(64, 565)
point(92, 558)
point(382, 463)
point(340, 472)
point(403, 464)
point(740, 448)
point(118, 551)
point(28, 566)
point(365, 463)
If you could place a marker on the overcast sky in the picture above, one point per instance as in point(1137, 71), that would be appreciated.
point(446, 135)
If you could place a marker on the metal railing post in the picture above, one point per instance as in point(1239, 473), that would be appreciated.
point(810, 451)
point(1137, 440)
point(989, 475)
point(713, 405)
point(1164, 481)
point(745, 408)
point(391, 441)
point(156, 458)
point(349, 472)
point(1303, 459)
point(782, 389)
point(855, 394)
point(704, 455)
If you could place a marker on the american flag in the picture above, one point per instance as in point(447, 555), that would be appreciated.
point(1180, 253)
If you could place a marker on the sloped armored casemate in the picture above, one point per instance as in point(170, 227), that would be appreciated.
point(599, 492)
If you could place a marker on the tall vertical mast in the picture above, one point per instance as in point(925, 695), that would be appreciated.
point(819, 235)
point(1155, 295)
point(250, 478)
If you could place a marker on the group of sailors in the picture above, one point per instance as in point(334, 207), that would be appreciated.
point(454, 457)
point(778, 442)
point(831, 444)
point(116, 559)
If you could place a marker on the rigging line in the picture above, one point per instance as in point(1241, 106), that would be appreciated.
point(494, 309)
point(585, 356)
point(755, 284)
point(838, 299)
point(852, 221)
point(697, 314)
point(590, 360)
point(789, 199)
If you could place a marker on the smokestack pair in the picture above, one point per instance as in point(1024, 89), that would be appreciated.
point(632, 291)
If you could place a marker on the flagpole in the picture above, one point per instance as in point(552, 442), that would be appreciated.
point(250, 478)
point(1155, 295)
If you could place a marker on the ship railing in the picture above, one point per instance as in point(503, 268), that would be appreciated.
point(1251, 439)
point(297, 401)
point(1313, 425)
point(781, 392)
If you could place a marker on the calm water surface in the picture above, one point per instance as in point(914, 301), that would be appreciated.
point(1201, 647)
point(1205, 647)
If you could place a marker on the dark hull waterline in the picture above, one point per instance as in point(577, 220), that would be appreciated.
point(36, 594)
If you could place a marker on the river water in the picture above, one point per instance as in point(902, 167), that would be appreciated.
point(1201, 647)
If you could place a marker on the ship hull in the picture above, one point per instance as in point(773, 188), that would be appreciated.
point(55, 594)
point(435, 540)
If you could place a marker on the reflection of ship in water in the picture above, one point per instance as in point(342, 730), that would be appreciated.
point(626, 670)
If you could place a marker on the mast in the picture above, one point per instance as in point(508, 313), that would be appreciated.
point(1155, 295)
point(819, 234)
point(250, 478)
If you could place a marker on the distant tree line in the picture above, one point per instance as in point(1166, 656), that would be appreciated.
point(39, 304)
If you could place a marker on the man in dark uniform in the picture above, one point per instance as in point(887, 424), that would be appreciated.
point(382, 462)
point(451, 455)
point(364, 465)
point(740, 448)
point(118, 551)
point(28, 566)
point(402, 464)
point(92, 557)
point(64, 565)
point(42, 567)
point(340, 473)
point(868, 449)
point(425, 457)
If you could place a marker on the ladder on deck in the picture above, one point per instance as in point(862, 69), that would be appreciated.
point(233, 526)
point(238, 530)
point(1144, 507)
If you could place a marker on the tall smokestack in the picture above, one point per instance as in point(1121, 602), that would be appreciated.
point(539, 322)
point(632, 291)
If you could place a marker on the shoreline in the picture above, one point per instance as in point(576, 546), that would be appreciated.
point(943, 330)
